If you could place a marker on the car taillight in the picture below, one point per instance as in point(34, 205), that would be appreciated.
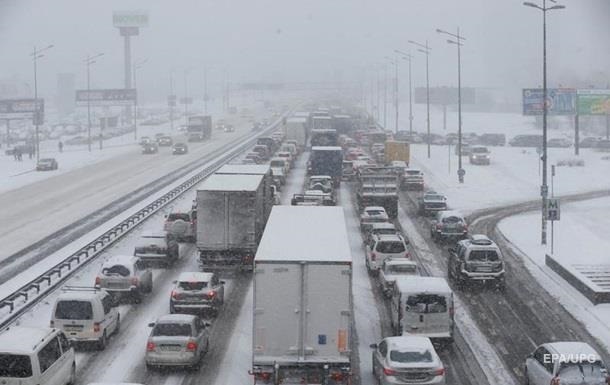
point(439, 226)
point(389, 372)
point(338, 376)
point(191, 346)
point(452, 311)
point(150, 347)
point(373, 257)
point(98, 281)
point(439, 372)
point(96, 327)
point(263, 376)
point(407, 255)
point(52, 324)
point(175, 294)
point(211, 294)
point(135, 281)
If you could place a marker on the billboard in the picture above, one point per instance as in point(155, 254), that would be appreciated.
point(125, 19)
point(110, 97)
point(444, 95)
point(594, 102)
point(560, 101)
point(21, 108)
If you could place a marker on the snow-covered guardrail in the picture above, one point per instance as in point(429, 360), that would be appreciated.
point(15, 304)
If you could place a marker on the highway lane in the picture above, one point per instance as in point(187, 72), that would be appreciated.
point(34, 211)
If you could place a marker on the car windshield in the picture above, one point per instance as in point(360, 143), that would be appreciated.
point(15, 365)
point(410, 356)
point(426, 303)
point(74, 310)
point(402, 269)
point(277, 163)
point(452, 220)
point(483, 256)
point(190, 286)
point(434, 197)
point(581, 371)
point(390, 247)
point(374, 212)
point(176, 216)
point(172, 330)
point(121, 270)
point(480, 150)
point(384, 231)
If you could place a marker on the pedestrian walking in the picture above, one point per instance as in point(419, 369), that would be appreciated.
point(60, 145)
point(18, 153)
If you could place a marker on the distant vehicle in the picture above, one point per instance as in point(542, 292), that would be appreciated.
point(296, 129)
point(263, 151)
point(380, 228)
point(526, 141)
point(36, 356)
point(413, 179)
point(589, 142)
point(383, 247)
point(310, 261)
point(448, 225)
point(479, 155)
point(144, 140)
point(431, 202)
point(159, 135)
point(288, 156)
point(323, 183)
point(165, 141)
point(466, 149)
point(477, 259)
point(181, 225)
point(180, 149)
point(199, 128)
point(378, 186)
point(371, 215)
point(158, 248)
point(423, 306)
point(312, 198)
point(47, 164)
point(229, 128)
point(327, 161)
point(280, 164)
point(254, 157)
point(199, 292)
point(150, 148)
point(391, 269)
point(406, 360)
point(177, 340)
point(565, 363)
point(324, 137)
point(125, 275)
point(559, 142)
point(86, 314)
point(492, 139)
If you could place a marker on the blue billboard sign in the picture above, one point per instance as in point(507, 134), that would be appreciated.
point(560, 101)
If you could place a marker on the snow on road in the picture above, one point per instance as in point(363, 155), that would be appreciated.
point(581, 236)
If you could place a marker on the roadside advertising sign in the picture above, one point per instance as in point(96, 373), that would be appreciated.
point(22, 108)
point(594, 102)
point(108, 97)
point(560, 101)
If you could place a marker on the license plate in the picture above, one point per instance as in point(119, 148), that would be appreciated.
point(170, 348)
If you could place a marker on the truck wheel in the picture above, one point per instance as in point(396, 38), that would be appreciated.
point(102, 342)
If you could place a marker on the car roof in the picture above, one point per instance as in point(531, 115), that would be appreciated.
point(176, 318)
point(409, 343)
point(21, 339)
point(383, 226)
point(480, 240)
point(450, 213)
point(120, 260)
point(195, 276)
point(319, 177)
point(400, 261)
point(572, 348)
point(389, 237)
point(415, 284)
point(376, 208)
point(79, 295)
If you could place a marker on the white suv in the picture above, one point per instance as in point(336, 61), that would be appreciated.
point(382, 247)
point(86, 315)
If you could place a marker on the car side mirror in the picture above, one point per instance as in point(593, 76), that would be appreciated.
point(373, 346)
point(222, 282)
point(152, 324)
point(207, 324)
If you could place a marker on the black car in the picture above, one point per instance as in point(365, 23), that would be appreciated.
point(150, 148)
point(180, 149)
point(589, 142)
point(492, 139)
point(165, 141)
point(47, 164)
point(526, 141)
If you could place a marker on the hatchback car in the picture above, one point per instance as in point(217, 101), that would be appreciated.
point(448, 225)
point(383, 247)
point(125, 275)
point(180, 149)
point(372, 214)
point(177, 340)
point(47, 164)
point(407, 360)
point(565, 363)
point(195, 291)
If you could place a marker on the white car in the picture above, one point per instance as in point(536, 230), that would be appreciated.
point(383, 247)
point(372, 214)
point(565, 363)
point(391, 269)
point(407, 360)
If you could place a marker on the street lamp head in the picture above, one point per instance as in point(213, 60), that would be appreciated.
point(556, 7)
point(438, 30)
point(530, 4)
point(50, 46)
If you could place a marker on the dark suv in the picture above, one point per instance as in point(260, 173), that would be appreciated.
point(448, 225)
point(477, 259)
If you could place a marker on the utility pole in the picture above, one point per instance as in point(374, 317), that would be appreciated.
point(88, 61)
point(37, 54)
point(136, 67)
point(409, 58)
point(171, 100)
point(425, 49)
point(205, 90)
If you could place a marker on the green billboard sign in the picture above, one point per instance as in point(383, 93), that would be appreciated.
point(593, 102)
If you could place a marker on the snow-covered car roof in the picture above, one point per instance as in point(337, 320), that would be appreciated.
point(449, 213)
point(124, 260)
point(409, 343)
point(324, 177)
point(374, 208)
point(195, 276)
point(382, 226)
point(175, 318)
point(153, 234)
point(400, 261)
point(415, 284)
point(572, 349)
point(389, 237)
point(231, 182)
point(326, 148)
point(21, 339)
point(82, 294)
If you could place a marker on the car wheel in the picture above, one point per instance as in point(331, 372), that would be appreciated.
point(102, 342)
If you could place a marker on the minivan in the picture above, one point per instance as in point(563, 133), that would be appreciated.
point(423, 306)
point(32, 356)
point(86, 315)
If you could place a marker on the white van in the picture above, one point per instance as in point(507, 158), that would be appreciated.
point(86, 315)
point(423, 306)
point(33, 356)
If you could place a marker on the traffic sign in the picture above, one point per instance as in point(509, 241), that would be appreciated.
point(21, 109)
point(553, 212)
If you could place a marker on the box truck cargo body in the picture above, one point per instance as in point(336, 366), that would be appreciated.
point(302, 298)
point(230, 220)
point(296, 129)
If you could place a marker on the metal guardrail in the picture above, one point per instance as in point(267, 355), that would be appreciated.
point(34, 291)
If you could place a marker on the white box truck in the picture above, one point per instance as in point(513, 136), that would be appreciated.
point(254, 169)
point(302, 316)
point(230, 220)
point(296, 129)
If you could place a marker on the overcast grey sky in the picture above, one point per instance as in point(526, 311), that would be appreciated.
point(304, 40)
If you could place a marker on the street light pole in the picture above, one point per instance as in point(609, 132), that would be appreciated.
point(37, 54)
point(425, 49)
point(88, 61)
point(172, 101)
point(409, 58)
point(136, 66)
point(385, 95)
point(544, 188)
point(396, 91)
point(458, 40)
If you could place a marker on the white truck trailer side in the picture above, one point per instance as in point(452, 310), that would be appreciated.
point(296, 129)
point(302, 316)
